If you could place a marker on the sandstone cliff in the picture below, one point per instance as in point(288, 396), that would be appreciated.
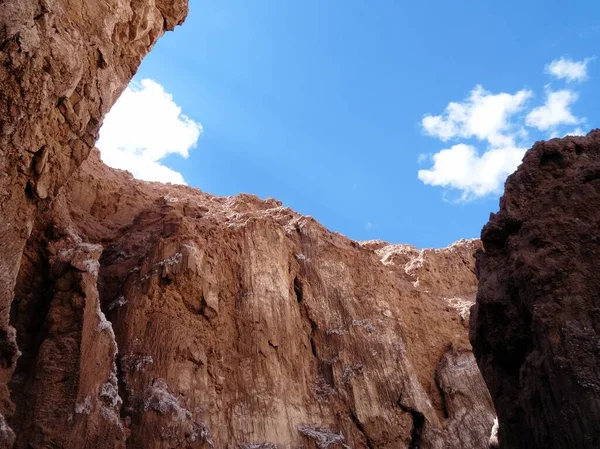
point(536, 327)
point(166, 317)
point(63, 63)
point(148, 316)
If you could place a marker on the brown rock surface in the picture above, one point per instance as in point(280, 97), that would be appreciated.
point(239, 324)
point(536, 327)
point(63, 63)
point(149, 316)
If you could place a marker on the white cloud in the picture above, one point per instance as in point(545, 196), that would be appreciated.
point(461, 167)
point(482, 115)
point(497, 120)
point(576, 132)
point(565, 68)
point(556, 111)
point(144, 126)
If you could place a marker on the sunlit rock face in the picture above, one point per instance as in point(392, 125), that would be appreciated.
point(144, 315)
point(239, 323)
point(63, 63)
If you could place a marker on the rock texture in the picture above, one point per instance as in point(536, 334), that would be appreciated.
point(148, 316)
point(63, 63)
point(536, 326)
point(239, 324)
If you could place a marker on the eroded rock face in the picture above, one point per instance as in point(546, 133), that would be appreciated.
point(149, 316)
point(76, 354)
point(239, 324)
point(63, 63)
point(536, 327)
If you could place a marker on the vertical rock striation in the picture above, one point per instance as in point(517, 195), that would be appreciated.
point(147, 316)
point(536, 327)
point(241, 324)
point(63, 63)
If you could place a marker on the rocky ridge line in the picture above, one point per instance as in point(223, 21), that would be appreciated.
point(240, 323)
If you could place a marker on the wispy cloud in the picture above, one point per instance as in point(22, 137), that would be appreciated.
point(461, 167)
point(144, 126)
point(555, 111)
point(569, 70)
point(482, 115)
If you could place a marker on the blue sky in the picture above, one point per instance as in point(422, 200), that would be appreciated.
point(340, 109)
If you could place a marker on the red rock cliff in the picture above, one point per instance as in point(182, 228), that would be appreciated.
point(63, 63)
point(142, 315)
point(536, 327)
point(159, 316)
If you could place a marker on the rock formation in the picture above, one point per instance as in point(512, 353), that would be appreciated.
point(63, 63)
point(536, 327)
point(166, 317)
point(142, 315)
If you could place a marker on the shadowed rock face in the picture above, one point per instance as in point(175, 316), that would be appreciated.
point(535, 328)
point(236, 322)
point(142, 315)
point(63, 63)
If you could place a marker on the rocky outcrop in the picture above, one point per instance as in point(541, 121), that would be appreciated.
point(76, 370)
point(535, 329)
point(63, 63)
point(142, 315)
point(239, 324)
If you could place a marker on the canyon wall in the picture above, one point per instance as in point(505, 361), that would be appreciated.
point(159, 316)
point(63, 63)
point(143, 315)
point(536, 327)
